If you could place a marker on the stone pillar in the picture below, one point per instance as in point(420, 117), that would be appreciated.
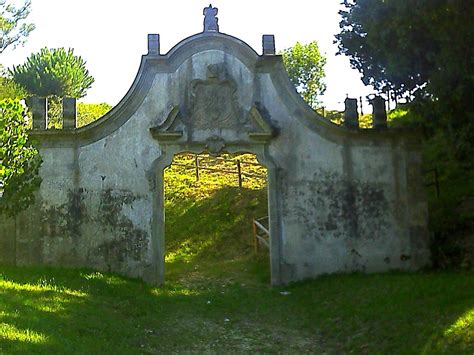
point(268, 44)
point(39, 109)
point(351, 115)
point(69, 113)
point(379, 115)
point(154, 44)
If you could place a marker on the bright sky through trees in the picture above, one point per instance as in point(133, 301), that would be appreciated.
point(112, 35)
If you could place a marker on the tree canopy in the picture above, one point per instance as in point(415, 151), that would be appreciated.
point(424, 50)
point(54, 72)
point(13, 29)
point(19, 160)
point(305, 66)
point(420, 49)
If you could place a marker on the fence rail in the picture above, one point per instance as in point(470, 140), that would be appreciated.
point(261, 233)
point(197, 166)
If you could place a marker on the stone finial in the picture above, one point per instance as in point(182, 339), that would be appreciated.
point(268, 44)
point(210, 19)
point(154, 43)
point(379, 116)
point(351, 115)
point(39, 109)
point(69, 113)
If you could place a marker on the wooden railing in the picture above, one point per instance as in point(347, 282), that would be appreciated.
point(261, 233)
point(199, 164)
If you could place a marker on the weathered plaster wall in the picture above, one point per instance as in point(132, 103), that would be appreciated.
point(340, 200)
point(349, 201)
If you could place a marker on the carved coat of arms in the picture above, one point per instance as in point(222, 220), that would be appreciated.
point(214, 103)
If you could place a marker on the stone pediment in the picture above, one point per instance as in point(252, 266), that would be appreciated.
point(213, 107)
point(173, 127)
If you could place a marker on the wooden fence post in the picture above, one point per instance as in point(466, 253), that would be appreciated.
point(239, 170)
point(196, 163)
point(255, 239)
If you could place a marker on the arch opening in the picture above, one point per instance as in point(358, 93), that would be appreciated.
point(182, 239)
point(211, 203)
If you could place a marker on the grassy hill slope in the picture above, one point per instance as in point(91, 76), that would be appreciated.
point(209, 221)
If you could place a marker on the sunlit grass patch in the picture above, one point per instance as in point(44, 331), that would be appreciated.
point(41, 287)
point(466, 321)
point(462, 330)
point(181, 291)
point(10, 332)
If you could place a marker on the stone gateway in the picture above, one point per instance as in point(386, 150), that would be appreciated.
point(341, 198)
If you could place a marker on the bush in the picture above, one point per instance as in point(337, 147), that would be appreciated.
point(19, 160)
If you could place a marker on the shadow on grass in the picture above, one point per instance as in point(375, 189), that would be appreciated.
point(79, 311)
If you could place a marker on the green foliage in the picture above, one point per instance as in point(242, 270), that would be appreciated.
point(54, 72)
point(405, 117)
point(452, 211)
point(19, 160)
point(13, 31)
point(422, 50)
point(9, 89)
point(305, 66)
point(88, 113)
point(337, 117)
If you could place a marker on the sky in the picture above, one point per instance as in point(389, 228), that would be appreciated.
point(111, 35)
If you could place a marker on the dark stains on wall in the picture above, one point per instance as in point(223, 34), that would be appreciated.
point(118, 240)
point(65, 220)
point(110, 208)
point(129, 242)
point(329, 205)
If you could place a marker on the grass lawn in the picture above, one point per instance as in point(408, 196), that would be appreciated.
point(71, 311)
point(217, 297)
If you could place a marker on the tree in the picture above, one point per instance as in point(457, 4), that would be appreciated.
point(13, 31)
point(54, 72)
point(420, 49)
point(424, 50)
point(19, 160)
point(305, 67)
point(8, 88)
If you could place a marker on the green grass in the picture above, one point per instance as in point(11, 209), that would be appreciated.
point(52, 310)
point(217, 296)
